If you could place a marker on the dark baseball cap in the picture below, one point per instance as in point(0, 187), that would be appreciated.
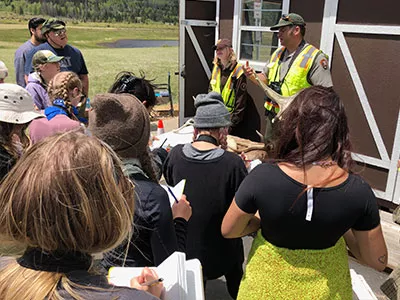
point(222, 43)
point(52, 24)
point(289, 20)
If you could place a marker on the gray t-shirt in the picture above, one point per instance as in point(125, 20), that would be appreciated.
point(19, 61)
point(319, 73)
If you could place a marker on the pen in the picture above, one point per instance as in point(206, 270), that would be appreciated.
point(169, 190)
point(152, 282)
point(163, 143)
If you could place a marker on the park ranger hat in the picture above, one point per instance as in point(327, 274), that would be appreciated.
point(222, 43)
point(45, 56)
point(289, 20)
point(52, 24)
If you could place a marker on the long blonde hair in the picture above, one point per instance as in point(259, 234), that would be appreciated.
point(67, 193)
point(232, 58)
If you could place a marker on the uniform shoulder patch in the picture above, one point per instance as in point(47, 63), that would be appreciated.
point(324, 63)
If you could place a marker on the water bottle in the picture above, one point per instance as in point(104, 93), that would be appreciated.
point(88, 107)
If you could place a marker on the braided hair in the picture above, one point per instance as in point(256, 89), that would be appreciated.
point(60, 86)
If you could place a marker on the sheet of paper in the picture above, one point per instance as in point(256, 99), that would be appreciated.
point(122, 276)
point(253, 164)
point(183, 279)
point(177, 190)
point(173, 138)
point(361, 287)
point(172, 270)
point(194, 279)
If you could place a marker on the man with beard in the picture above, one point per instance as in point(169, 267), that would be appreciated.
point(35, 27)
point(55, 32)
point(294, 66)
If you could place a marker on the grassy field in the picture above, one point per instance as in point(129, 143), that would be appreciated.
point(104, 63)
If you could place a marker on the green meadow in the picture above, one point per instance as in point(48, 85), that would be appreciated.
point(104, 63)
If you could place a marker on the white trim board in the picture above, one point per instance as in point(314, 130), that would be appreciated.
point(368, 29)
point(362, 96)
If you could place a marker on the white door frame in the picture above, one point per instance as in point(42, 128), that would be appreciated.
point(330, 30)
point(185, 25)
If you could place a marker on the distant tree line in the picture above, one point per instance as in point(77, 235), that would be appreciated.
point(131, 11)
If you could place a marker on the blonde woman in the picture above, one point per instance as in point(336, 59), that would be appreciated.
point(63, 208)
point(65, 93)
point(229, 80)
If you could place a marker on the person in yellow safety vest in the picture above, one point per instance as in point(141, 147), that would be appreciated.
point(293, 66)
point(229, 80)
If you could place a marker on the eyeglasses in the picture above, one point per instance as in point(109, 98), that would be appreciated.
point(60, 32)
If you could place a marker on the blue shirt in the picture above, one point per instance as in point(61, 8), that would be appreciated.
point(19, 61)
point(59, 108)
point(73, 59)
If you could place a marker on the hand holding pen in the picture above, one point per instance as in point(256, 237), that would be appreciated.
point(181, 208)
point(149, 281)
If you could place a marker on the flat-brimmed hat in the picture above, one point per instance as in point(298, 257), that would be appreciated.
point(289, 20)
point(211, 111)
point(16, 105)
point(222, 43)
point(45, 56)
point(3, 70)
point(52, 24)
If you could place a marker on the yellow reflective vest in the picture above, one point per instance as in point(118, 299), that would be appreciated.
point(296, 78)
point(228, 92)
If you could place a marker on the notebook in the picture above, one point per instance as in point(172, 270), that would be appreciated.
point(183, 279)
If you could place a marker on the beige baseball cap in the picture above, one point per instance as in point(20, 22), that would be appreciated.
point(16, 105)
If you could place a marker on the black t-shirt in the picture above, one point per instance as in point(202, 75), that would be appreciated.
point(268, 189)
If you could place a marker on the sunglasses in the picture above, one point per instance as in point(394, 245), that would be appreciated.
point(220, 48)
point(60, 32)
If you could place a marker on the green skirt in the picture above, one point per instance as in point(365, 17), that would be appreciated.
point(279, 273)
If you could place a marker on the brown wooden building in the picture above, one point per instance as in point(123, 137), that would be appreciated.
point(362, 39)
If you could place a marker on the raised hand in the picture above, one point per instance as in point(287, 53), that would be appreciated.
point(248, 71)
